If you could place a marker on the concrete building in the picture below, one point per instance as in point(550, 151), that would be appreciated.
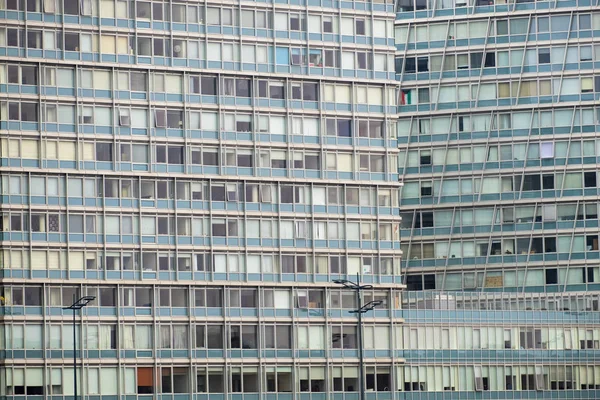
point(204, 169)
point(499, 159)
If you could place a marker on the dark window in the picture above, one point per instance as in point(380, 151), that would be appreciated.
point(276, 92)
point(161, 154)
point(218, 193)
point(548, 181)
point(344, 127)
point(34, 39)
point(426, 158)
point(29, 112)
point(427, 220)
point(28, 75)
point(361, 60)
point(174, 119)
point(13, 112)
point(263, 88)
point(104, 152)
point(243, 126)
point(426, 189)
point(310, 91)
point(331, 59)
point(159, 47)
point(214, 336)
point(242, 87)
point(12, 5)
point(549, 245)
point(551, 276)
point(398, 65)
point(414, 282)
point(294, 22)
point(13, 74)
point(195, 84)
point(72, 41)
point(71, 7)
point(544, 56)
point(531, 182)
point(33, 296)
point(360, 26)
point(410, 65)
point(423, 64)
point(12, 37)
point(210, 158)
point(490, 60)
point(476, 60)
point(175, 154)
point(244, 160)
point(588, 272)
point(429, 281)
point(208, 85)
point(589, 179)
point(160, 118)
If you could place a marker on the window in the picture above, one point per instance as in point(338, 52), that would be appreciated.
point(297, 22)
point(544, 56)
point(244, 298)
point(278, 336)
point(426, 189)
point(360, 26)
point(589, 179)
point(551, 276)
point(170, 154)
point(104, 152)
point(243, 336)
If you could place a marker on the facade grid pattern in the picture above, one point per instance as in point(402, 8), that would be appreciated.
point(205, 170)
point(497, 129)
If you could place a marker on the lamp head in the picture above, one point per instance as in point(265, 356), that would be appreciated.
point(82, 302)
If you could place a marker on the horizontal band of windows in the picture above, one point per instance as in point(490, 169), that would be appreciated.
point(201, 379)
point(313, 378)
point(529, 152)
point(488, 185)
point(415, 301)
point(498, 246)
point(557, 89)
point(469, 168)
point(104, 81)
point(207, 156)
point(180, 297)
point(257, 336)
point(297, 60)
point(573, 278)
point(211, 14)
point(98, 118)
point(502, 214)
point(500, 26)
point(198, 227)
point(542, 59)
point(151, 189)
point(186, 261)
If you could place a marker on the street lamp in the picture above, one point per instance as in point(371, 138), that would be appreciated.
point(78, 305)
point(358, 288)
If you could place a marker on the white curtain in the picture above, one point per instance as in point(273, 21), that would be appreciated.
point(104, 338)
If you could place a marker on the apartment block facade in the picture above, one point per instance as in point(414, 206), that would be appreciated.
point(205, 170)
point(498, 130)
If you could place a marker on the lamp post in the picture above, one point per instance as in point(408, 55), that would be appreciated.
point(78, 305)
point(362, 308)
